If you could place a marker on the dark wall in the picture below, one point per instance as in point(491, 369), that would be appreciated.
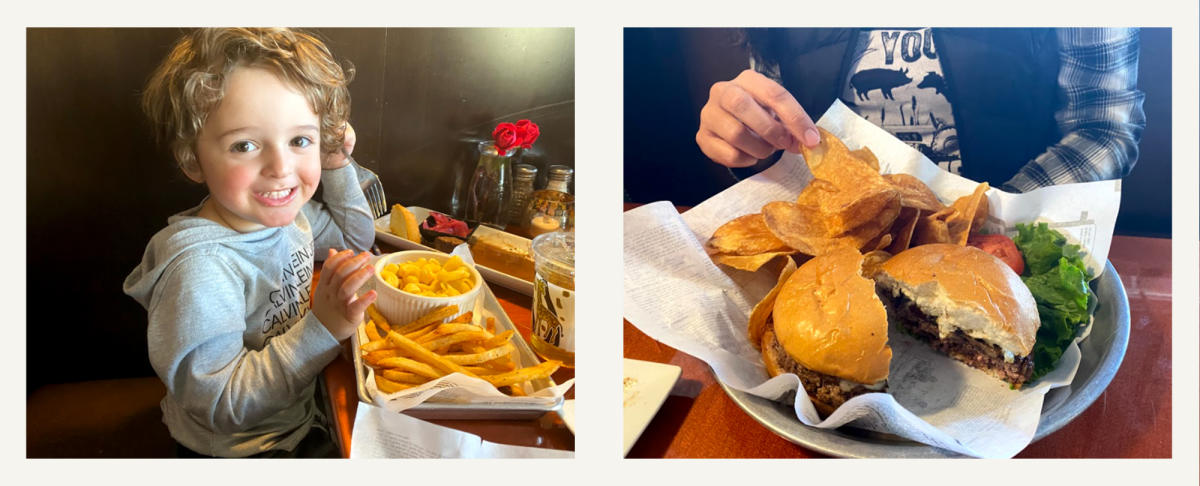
point(98, 187)
point(1146, 192)
point(668, 73)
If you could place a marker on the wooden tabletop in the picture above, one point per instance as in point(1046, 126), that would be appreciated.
point(1132, 418)
point(547, 431)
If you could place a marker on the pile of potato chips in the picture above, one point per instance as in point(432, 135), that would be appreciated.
point(848, 203)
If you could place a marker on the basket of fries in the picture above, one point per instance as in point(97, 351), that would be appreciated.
point(451, 364)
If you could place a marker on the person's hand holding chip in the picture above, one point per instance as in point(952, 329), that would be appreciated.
point(750, 117)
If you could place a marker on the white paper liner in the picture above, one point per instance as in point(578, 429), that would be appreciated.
point(676, 295)
point(457, 388)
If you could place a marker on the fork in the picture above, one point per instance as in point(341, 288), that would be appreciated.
point(372, 188)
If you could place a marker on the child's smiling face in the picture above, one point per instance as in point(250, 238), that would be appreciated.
point(259, 152)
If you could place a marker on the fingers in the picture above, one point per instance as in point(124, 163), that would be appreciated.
point(356, 308)
point(786, 110)
point(353, 282)
point(351, 139)
point(335, 259)
point(727, 128)
point(342, 265)
point(721, 151)
point(743, 106)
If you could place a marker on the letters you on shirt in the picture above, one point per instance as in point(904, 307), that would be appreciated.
point(290, 301)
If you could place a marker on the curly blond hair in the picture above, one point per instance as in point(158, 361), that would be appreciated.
point(190, 82)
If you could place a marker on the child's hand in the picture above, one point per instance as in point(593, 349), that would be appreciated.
point(334, 302)
point(340, 158)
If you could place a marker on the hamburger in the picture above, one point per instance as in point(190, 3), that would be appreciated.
point(829, 327)
point(965, 303)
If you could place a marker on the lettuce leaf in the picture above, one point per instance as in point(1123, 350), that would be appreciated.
point(1058, 279)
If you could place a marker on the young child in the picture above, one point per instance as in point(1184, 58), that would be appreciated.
point(258, 116)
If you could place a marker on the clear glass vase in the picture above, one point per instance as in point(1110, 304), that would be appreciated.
point(491, 186)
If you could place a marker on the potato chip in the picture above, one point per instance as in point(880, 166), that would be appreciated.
point(749, 263)
point(804, 228)
point(872, 260)
point(966, 213)
point(799, 226)
point(816, 156)
point(762, 311)
point(850, 198)
point(902, 229)
point(845, 171)
point(974, 205)
point(745, 235)
point(866, 155)
point(914, 193)
point(879, 243)
point(981, 214)
point(876, 206)
point(930, 229)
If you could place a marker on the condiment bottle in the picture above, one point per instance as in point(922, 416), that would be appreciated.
point(559, 178)
point(523, 177)
point(552, 208)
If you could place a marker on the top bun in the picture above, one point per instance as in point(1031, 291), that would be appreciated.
point(829, 319)
point(966, 288)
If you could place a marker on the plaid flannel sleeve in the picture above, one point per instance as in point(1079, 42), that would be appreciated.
point(1101, 119)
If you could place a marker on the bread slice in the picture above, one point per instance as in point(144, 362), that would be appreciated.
point(403, 223)
point(966, 303)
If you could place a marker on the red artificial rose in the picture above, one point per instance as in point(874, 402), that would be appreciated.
point(505, 136)
point(527, 132)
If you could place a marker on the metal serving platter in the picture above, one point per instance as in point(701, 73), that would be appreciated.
point(1102, 351)
point(434, 410)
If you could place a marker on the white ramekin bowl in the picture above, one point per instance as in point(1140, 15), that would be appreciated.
point(400, 307)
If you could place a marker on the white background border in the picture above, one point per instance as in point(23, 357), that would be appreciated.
point(598, 42)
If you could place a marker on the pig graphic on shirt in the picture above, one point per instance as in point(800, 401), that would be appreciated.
point(881, 79)
point(933, 80)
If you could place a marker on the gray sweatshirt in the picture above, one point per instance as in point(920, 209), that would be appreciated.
point(230, 333)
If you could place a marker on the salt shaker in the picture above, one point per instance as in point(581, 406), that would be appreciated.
point(523, 177)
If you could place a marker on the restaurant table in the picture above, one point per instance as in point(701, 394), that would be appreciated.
point(1131, 418)
point(547, 431)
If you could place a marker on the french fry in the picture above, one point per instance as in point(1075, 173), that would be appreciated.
point(410, 365)
point(388, 386)
point(541, 370)
point(403, 376)
point(449, 328)
point(427, 332)
point(426, 356)
point(433, 317)
point(372, 331)
point(494, 341)
point(480, 370)
point(374, 346)
point(378, 318)
point(451, 339)
point(500, 364)
point(426, 349)
point(475, 358)
point(372, 358)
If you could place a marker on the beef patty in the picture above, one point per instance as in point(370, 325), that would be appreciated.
point(958, 345)
point(826, 389)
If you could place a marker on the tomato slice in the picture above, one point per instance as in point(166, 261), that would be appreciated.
point(1001, 247)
